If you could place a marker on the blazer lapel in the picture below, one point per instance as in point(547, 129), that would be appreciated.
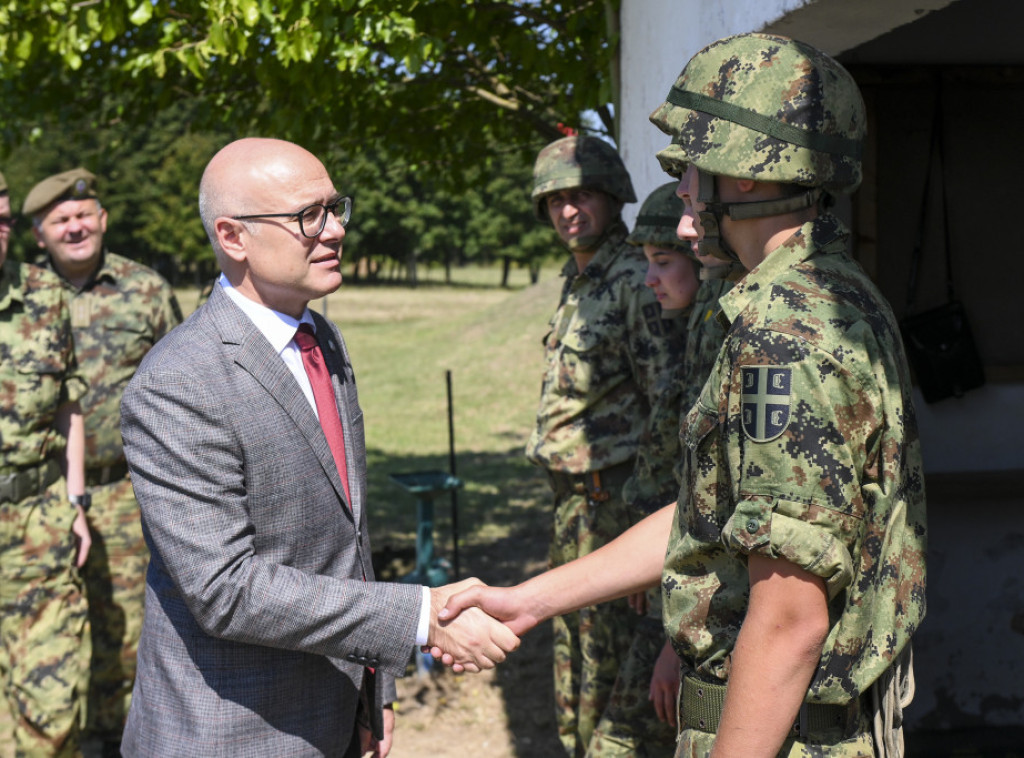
point(255, 355)
point(342, 379)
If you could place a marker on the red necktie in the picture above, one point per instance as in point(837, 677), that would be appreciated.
point(323, 394)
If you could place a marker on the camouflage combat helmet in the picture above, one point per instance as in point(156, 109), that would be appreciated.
point(764, 107)
point(658, 220)
point(578, 162)
point(768, 108)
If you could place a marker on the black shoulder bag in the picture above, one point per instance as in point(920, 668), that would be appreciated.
point(939, 343)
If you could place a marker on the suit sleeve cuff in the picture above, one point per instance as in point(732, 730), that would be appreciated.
point(423, 628)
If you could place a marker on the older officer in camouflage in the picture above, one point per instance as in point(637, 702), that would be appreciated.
point(119, 309)
point(794, 576)
point(44, 537)
point(606, 347)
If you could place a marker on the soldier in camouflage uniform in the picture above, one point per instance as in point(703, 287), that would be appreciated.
point(606, 347)
point(44, 538)
point(673, 269)
point(119, 309)
point(794, 576)
point(631, 724)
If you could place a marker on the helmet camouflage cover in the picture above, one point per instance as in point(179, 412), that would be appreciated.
point(578, 162)
point(765, 107)
point(658, 220)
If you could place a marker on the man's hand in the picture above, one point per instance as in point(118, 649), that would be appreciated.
point(370, 744)
point(469, 640)
point(83, 538)
point(665, 684)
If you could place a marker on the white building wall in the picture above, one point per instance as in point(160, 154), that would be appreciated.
point(658, 38)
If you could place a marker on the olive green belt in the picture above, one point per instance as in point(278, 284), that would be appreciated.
point(28, 482)
point(598, 485)
point(701, 704)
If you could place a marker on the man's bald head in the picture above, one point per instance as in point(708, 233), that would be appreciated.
point(245, 176)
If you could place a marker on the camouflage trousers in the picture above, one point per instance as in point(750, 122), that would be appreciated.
point(629, 725)
point(589, 644)
point(115, 582)
point(43, 620)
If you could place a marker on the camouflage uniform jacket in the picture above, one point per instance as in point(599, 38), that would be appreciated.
point(654, 482)
point(116, 317)
point(803, 446)
point(38, 373)
point(605, 349)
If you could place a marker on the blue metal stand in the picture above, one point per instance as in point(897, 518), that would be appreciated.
point(429, 571)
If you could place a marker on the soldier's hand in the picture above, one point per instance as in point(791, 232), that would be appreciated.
point(638, 602)
point(665, 684)
point(83, 538)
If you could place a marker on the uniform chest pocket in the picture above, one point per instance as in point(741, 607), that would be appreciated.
point(705, 475)
point(700, 422)
point(128, 339)
point(39, 390)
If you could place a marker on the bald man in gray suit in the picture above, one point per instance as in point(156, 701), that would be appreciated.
point(265, 633)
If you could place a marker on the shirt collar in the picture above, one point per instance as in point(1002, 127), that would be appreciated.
point(279, 328)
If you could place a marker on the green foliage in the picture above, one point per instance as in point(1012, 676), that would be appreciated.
point(437, 81)
point(404, 216)
point(148, 182)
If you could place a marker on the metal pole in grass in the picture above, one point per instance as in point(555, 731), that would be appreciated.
point(451, 470)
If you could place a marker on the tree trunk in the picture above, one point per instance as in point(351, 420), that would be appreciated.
point(411, 269)
point(506, 267)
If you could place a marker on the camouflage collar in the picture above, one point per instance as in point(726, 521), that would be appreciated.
point(607, 251)
point(104, 270)
point(819, 236)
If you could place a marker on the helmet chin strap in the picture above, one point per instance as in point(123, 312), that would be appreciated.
point(730, 271)
point(713, 243)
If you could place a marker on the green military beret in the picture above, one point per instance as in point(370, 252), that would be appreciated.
point(3, 184)
point(75, 184)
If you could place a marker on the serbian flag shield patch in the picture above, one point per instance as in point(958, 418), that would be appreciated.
point(765, 401)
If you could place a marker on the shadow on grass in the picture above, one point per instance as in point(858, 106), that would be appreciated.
point(504, 520)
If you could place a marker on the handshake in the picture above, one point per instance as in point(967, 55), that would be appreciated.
point(474, 626)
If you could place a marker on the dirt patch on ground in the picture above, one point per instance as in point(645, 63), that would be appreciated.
point(504, 713)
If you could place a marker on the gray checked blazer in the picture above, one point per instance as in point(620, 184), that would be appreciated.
point(262, 617)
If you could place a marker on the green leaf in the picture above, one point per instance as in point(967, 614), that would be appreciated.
point(24, 47)
point(142, 13)
point(250, 11)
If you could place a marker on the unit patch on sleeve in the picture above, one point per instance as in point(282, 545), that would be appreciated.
point(765, 401)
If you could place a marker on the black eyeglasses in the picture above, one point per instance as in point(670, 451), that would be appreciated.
point(6, 221)
point(312, 218)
